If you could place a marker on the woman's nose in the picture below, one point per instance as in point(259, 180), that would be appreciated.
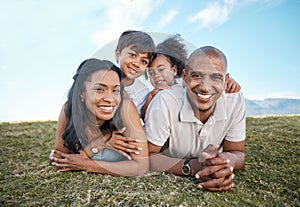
point(108, 96)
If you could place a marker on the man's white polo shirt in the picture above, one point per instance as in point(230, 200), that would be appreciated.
point(170, 122)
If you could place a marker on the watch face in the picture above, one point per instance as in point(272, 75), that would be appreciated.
point(186, 170)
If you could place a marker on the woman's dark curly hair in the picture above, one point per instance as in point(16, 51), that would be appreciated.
point(74, 135)
point(174, 50)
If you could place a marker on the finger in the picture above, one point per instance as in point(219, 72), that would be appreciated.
point(218, 189)
point(68, 169)
point(130, 139)
point(61, 154)
point(223, 173)
point(216, 161)
point(128, 146)
point(209, 152)
point(207, 171)
point(65, 169)
point(125, 149)
point(59, 161)
point(125, 154)
point(126, 139)
point(232, 88)
point(51, 154)
point(217, 184)
point(61, 165)
point(229, 86)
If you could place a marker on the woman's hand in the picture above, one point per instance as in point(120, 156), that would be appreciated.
point(69, 162)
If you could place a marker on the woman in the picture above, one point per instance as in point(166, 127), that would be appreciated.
point(94, 111)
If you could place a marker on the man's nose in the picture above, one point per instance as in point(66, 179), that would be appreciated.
point(203, 85)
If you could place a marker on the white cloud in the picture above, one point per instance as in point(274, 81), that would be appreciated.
point(214, 14)
point(121, 16)
point(218, 12)
point(166, 19)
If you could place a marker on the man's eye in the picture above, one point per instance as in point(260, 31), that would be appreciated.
point(195, 76)
point(100, 89)
point(217, 77)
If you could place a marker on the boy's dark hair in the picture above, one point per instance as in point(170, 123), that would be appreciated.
point(138, 40)
point(173, 49)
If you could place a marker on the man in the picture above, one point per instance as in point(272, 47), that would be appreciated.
point(185, 127)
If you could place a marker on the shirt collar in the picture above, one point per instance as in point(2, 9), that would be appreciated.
point(187, 114)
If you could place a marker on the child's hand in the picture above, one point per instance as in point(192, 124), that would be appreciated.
point(232, 86)
point(123, 144)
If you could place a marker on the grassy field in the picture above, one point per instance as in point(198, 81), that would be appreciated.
point(270, 177)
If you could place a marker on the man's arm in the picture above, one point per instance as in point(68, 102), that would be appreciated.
point(163, 163)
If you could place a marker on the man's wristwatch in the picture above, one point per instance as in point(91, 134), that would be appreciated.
point(186, 168)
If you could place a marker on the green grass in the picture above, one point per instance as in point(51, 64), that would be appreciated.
point(269, 178)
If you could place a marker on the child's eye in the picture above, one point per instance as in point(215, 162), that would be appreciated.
point(150, 73)
point(145, 62)
point(132, 54)
point(116, 91)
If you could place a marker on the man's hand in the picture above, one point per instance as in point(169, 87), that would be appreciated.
point(216, 172)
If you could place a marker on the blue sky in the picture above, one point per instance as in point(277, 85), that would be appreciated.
point(43, 42)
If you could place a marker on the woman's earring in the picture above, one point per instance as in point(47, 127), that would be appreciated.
point(82, 100)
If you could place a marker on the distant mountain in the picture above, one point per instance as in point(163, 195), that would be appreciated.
point(272, 106)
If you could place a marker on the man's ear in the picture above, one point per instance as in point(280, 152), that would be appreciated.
point(117, 55)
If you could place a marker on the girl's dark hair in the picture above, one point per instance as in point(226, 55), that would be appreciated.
point(173, 49)
point(138, 40)
point(77, 114)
